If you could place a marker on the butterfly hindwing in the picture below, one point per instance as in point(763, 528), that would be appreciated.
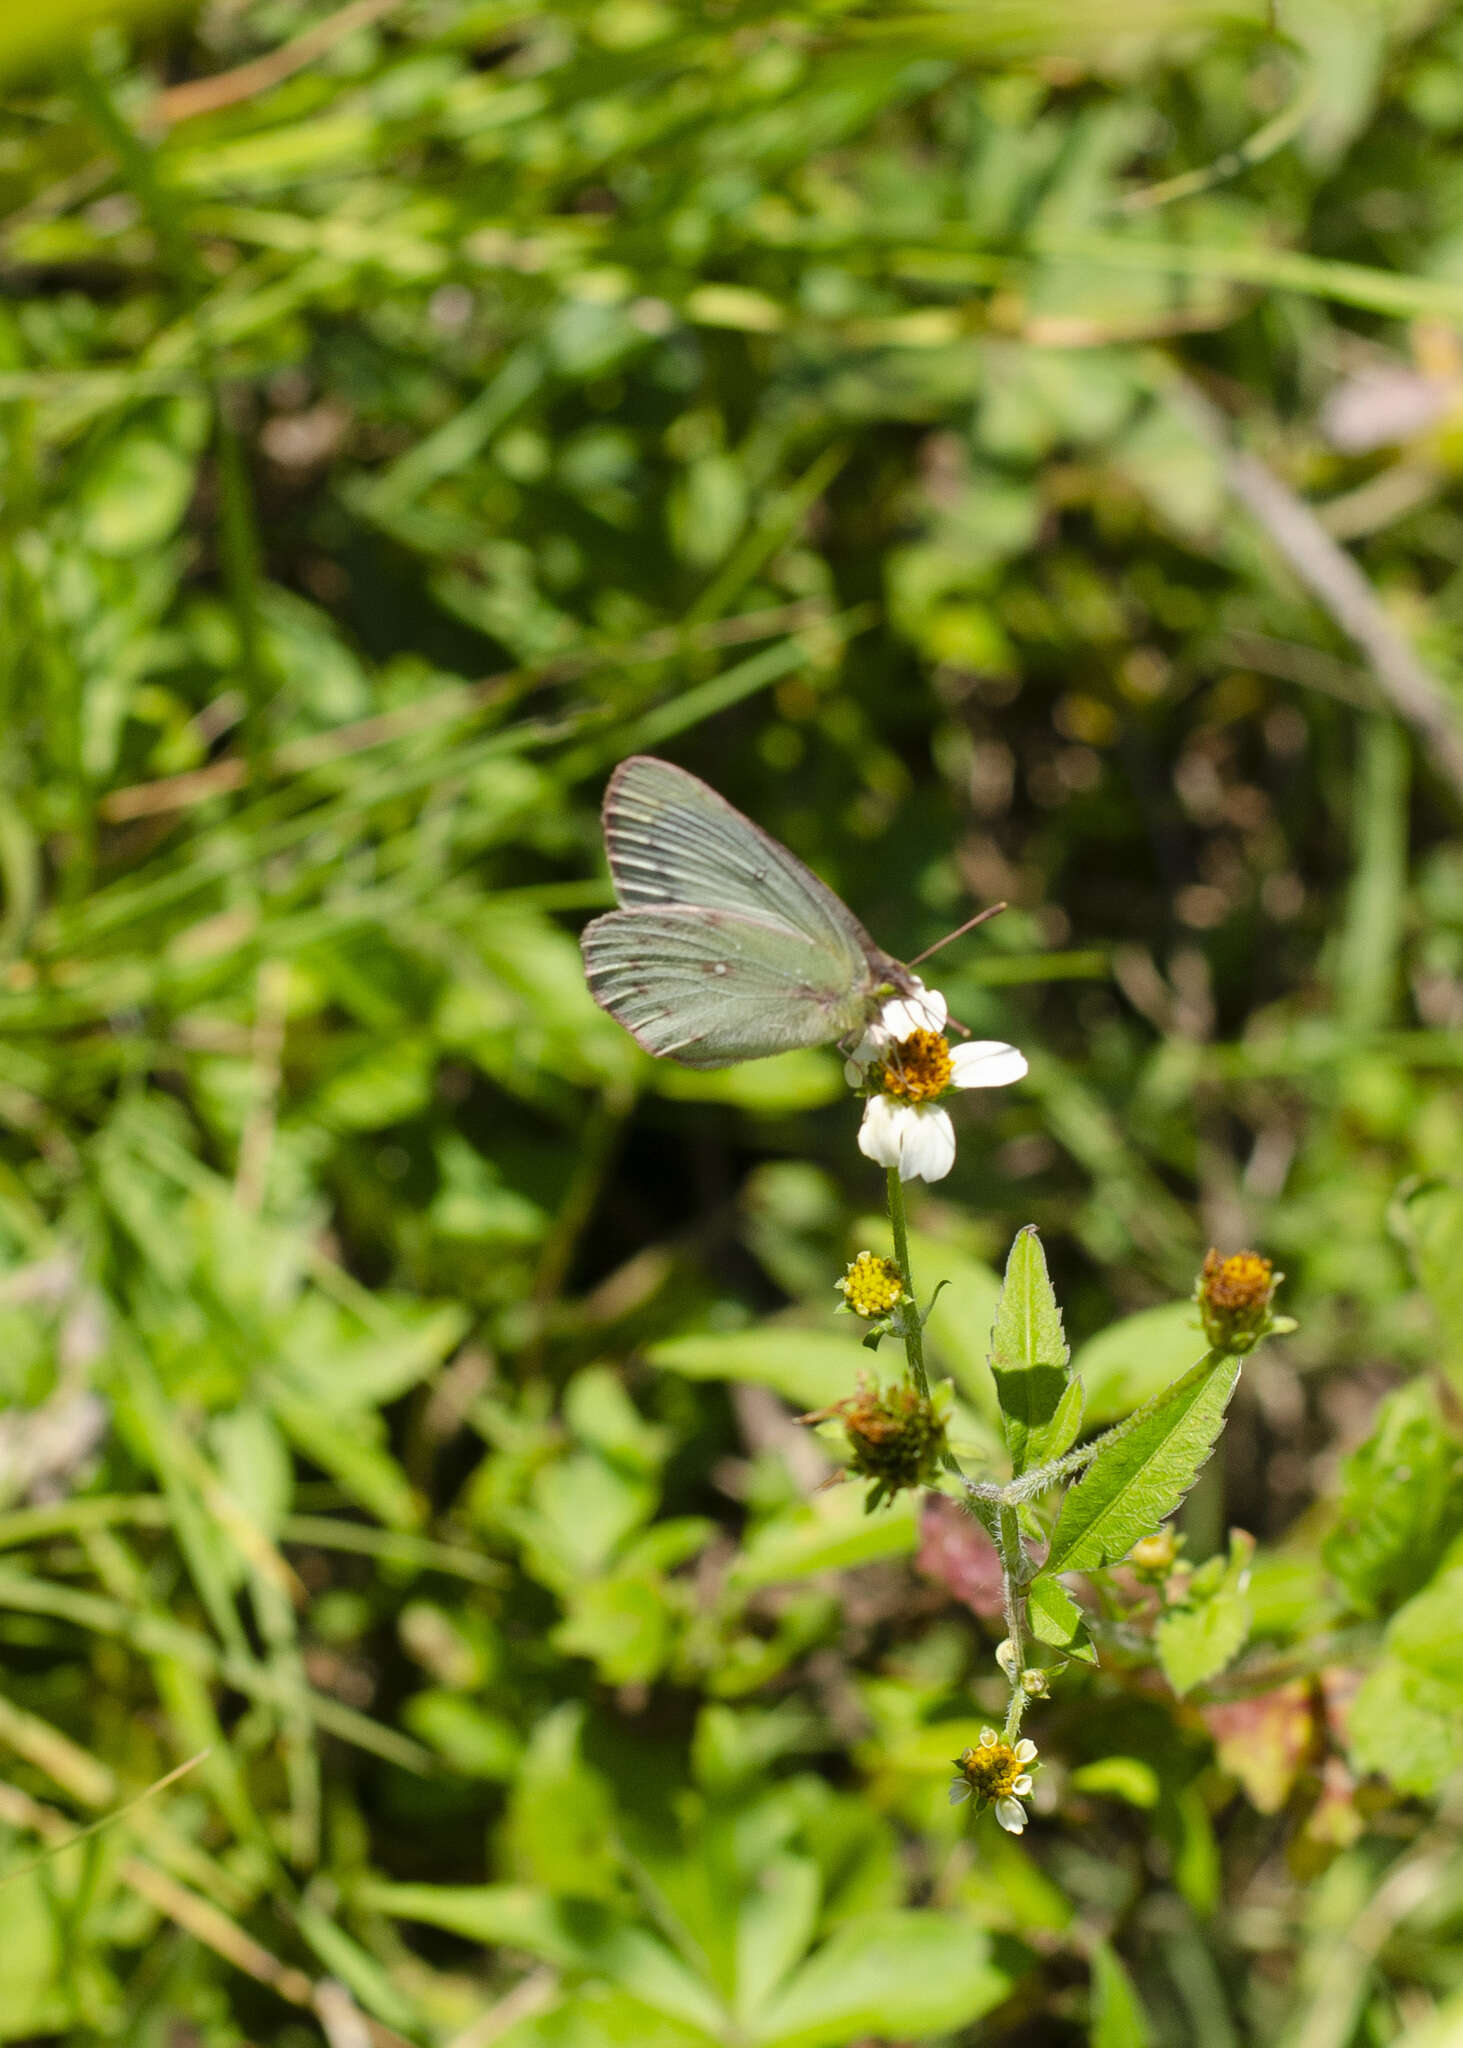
point(709, 987)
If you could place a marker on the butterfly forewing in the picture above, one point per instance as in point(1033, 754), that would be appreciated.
point(710, 987)
point(672, 839)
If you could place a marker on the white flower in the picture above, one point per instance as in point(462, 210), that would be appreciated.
point(1012, 1814)
point(912, 1066)
point(923, 1009)
point(986, 1063)
point(996, 1771)
point(917, 1137)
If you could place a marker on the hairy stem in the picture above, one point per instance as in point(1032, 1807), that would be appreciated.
point(911, 1327)
point(1001, 1521)
point(1013, 1557)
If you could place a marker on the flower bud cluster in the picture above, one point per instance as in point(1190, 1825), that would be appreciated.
point(1234, 1297)
point(895, 1436)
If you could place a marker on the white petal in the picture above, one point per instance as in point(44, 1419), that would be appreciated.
point(879, 1134)
point(1022, 1785)
point(1025, 1750)
point(985, 1063)
point(959, 1790)
point(922, 1010)
point(1012, 1815)
point(987, 1738)
point(927, 1147)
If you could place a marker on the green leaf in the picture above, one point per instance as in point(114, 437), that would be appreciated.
point(1406, 1722)
point(1144, 1470)
point(1055, 1618)
point(896, 1974)
point(1401, 1503)
point(1197, 1639)
point(1029, 1357)
point(1127, 1778)
point(622, 1625)
point(580, 1935)
point(774, 1928)
point(1428, 1217)
point(831, 1532)
point(473, 1741)
point(353, 1453)
point(1118, 2018)
point(810, 1368)
point(359, 1971)
point(594, 2014)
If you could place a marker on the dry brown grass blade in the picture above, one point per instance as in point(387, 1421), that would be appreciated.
point(228, 88)
point(1338, 585)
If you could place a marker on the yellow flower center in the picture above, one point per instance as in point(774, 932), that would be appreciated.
point(1243, 1281)
point(918, 1067)
point(992, 1769)
point(872, 1285)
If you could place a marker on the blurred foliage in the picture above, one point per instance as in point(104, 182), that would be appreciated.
point(408, 411)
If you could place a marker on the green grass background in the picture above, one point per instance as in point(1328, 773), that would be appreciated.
point(396, 1368)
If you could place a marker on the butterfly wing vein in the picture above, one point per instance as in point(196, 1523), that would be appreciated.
point(709, 988)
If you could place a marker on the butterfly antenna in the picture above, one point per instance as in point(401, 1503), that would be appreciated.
point(981, 917)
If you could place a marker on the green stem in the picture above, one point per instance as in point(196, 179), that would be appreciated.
point(1008, 1542)
point(911, 1328)
point(1002, 1524)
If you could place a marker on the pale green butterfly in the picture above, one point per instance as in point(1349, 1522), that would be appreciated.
point(725, 947)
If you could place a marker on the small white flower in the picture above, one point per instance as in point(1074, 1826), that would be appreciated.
point(995, 1770)
point(922, 1010)
point(904, 1125)
point(917, 1137)
point(986, 1063)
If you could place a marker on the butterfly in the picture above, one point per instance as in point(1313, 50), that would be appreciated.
point(725, 947)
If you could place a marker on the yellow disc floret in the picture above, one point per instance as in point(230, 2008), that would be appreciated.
point(992, 1769)
point(917, 1069)
point(1234, 1297)
point(872, 1286)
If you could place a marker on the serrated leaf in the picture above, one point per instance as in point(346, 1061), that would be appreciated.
point(1144, 1470)
point(1197, 1640)
point(1029, 1355)
point(1054, 1618)
point(1401, 1503)
point(1407, 1720)
point(1428, 1217)
point(1065, 1426)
